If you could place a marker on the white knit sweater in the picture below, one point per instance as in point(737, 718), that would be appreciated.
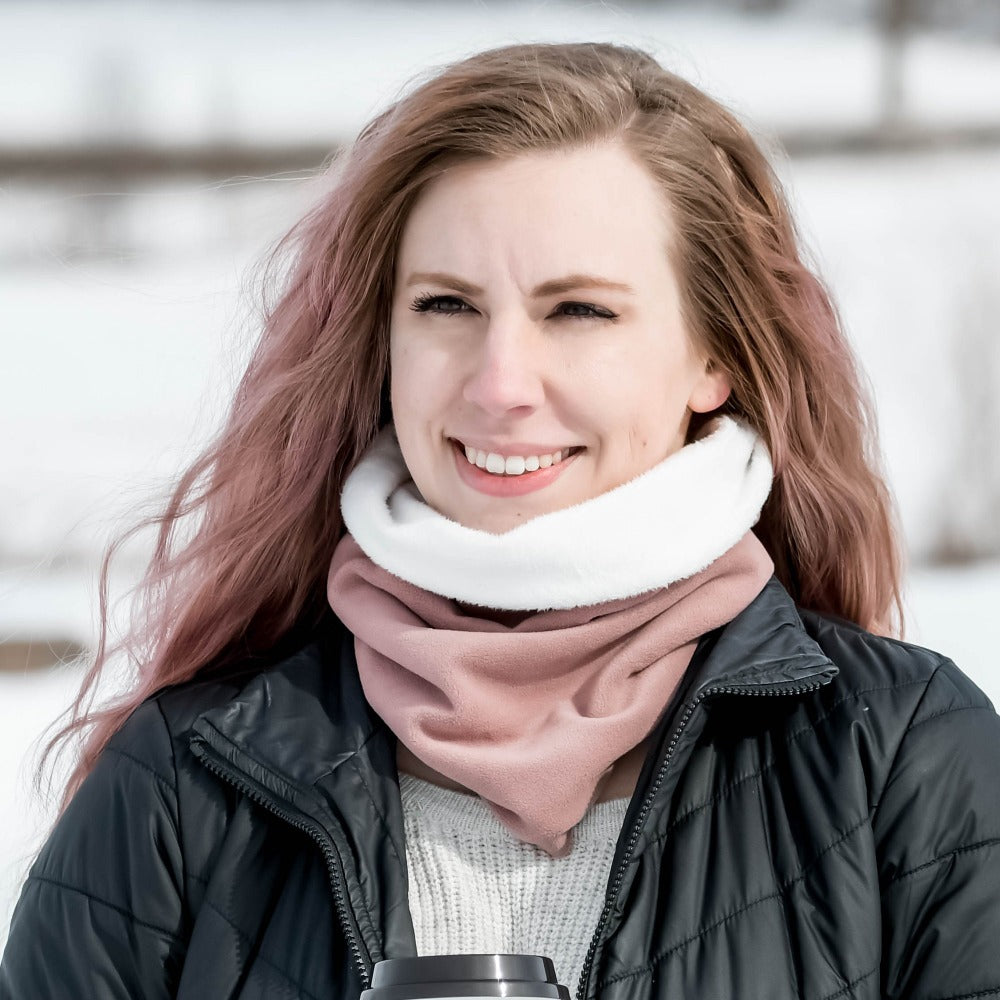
point(475, 888)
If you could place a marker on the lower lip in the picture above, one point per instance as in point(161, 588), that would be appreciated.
point(507, 486)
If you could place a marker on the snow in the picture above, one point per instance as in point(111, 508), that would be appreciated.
point(105, 393)
point(908, 247)
point(954, 611)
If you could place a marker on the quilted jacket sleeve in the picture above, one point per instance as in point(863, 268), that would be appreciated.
point(938, 830)
point(101, 915)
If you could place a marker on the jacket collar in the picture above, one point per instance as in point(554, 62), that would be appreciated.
point(765, 646)
point(301, 718)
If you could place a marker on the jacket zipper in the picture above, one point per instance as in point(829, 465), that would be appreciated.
point(774, 689)
point(334, 866)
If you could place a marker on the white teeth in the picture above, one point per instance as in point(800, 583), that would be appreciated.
point(514, 465)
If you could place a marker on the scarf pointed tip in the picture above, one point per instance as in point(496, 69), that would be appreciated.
point(556, 847)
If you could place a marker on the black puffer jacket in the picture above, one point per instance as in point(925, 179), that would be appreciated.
point(819, 818)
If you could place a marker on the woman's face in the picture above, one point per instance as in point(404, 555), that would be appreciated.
point(536, 317)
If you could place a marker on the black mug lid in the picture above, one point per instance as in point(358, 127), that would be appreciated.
point(493, 975)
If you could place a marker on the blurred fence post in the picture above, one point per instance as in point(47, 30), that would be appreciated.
point(894, 20)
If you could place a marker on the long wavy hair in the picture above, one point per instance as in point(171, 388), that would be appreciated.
point(245, 540)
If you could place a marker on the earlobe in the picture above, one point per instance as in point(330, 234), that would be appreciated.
point(712, 390)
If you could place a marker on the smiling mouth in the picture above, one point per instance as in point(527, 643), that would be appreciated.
point(512, 465)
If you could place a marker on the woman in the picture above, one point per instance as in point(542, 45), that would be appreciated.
point(473, 647)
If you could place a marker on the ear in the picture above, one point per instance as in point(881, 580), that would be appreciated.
point(711, 390)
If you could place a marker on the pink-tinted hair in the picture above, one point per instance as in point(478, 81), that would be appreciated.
point(245, 540)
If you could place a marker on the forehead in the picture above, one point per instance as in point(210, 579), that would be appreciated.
point(591, 208)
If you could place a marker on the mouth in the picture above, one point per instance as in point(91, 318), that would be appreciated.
point(516, 477)
point(495, 464)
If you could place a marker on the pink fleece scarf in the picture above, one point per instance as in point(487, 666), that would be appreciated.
point(531, 717)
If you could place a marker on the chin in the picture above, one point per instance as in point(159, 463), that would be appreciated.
point(492, 525)
point(502, 521)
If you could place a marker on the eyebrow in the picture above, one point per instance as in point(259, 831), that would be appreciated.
point(555, 286)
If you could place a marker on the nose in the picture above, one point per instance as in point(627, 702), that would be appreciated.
point(507, 369)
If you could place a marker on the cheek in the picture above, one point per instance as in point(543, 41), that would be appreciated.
point(644, 410)
point(419, 391)
point(404, 374)
point(405, 411)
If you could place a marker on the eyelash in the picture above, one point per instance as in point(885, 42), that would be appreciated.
point(425, 303)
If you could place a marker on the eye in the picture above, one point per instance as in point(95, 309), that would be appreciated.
point(584, 310)
point(438, 303)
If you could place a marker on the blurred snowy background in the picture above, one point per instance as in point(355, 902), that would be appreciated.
point(151, 153)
